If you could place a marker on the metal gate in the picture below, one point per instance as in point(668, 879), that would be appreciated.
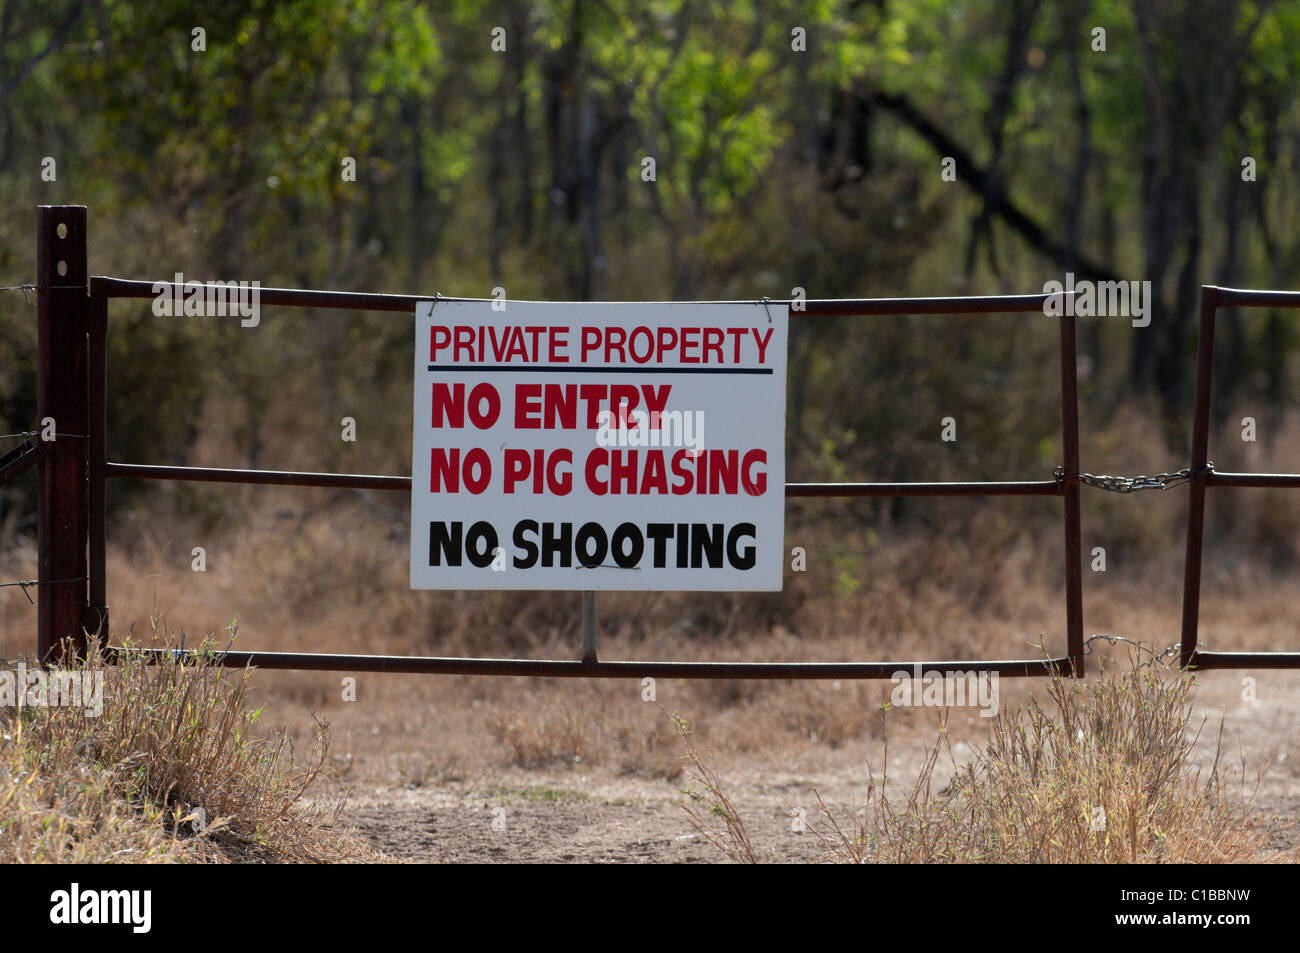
point(72, 388)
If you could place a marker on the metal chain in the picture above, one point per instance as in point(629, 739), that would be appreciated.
point(1123, 484)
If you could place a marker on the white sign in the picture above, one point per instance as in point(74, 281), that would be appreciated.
point(598, 446)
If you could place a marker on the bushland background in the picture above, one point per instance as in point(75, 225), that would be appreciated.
point(1162, 148)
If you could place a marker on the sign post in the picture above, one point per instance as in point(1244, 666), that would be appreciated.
point(590, 446)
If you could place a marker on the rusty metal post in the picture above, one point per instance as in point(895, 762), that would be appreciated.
point(97, 466)
point(62, 520)
point(1073, 517)
point(1196, 489)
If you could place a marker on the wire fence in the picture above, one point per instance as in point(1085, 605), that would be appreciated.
point(27, 291)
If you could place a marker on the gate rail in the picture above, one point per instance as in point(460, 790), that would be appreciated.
point(72, 388)
point(1212, 299)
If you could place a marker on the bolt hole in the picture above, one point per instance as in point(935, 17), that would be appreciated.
point(62, 267)
point(62, 230)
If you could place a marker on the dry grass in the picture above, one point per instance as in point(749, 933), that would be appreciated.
point(709, 810)
point(587, 726)
point(1102, 771)
point(313, 570)
point(173, 768)
point(921, 597)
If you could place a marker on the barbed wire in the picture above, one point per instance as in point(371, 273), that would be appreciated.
point(25, 289)
point(32, 433)
point(1169, 651)
point(25, 584)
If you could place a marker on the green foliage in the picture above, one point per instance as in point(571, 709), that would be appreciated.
point(774, 169)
